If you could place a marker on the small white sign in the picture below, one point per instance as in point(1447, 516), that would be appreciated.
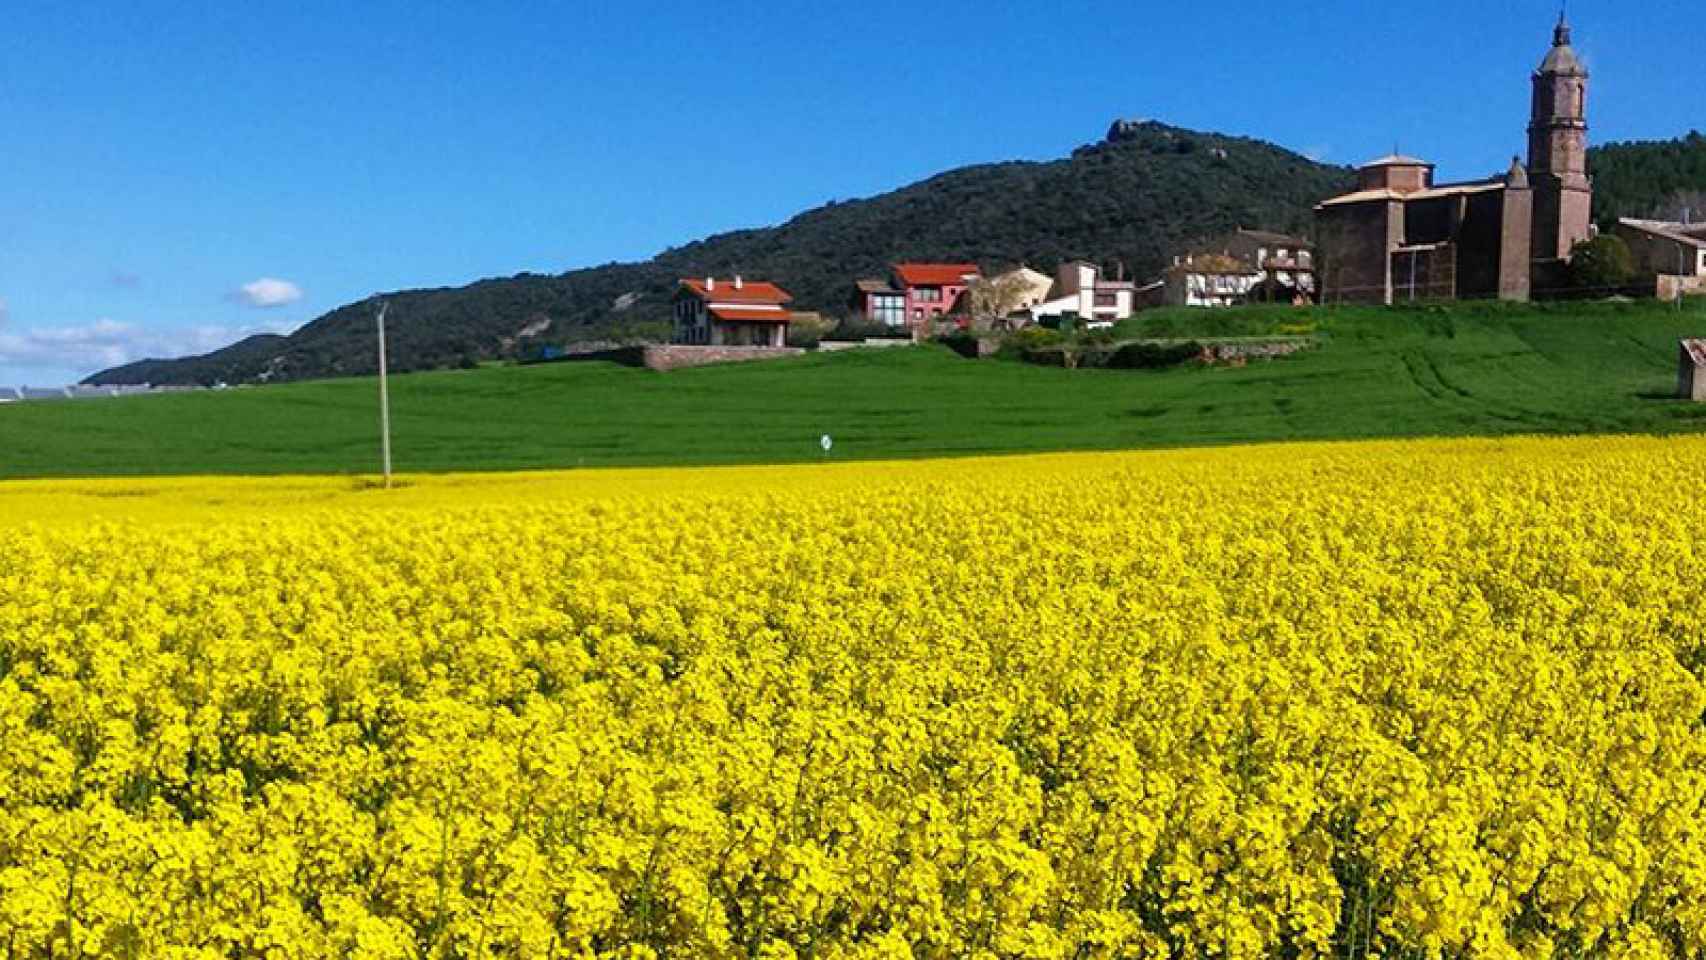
point(825, 442)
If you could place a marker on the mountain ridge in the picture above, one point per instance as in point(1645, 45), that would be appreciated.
point(1127, 201)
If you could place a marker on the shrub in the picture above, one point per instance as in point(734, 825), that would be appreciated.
point(1601, 265)
point(1033, 338)
point(1148, 355)
point(860, 327)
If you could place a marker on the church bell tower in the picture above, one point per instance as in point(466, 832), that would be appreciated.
point(1558, 151)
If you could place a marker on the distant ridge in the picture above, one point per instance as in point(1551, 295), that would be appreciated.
point(1125, 201)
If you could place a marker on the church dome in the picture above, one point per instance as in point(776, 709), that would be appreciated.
point(1562, 59)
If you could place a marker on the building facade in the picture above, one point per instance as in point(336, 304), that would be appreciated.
point(1400, 237)
point(1079, 288)
point(879, 302)
point(1671, 255)
point(1209, 280)
point(916, 294)
point(932, 290)
point(1241, 266)
point(731, 313)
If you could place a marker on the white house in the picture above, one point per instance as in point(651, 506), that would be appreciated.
point(1229, 269)
point(1211, 280)
point(1080, 289)
point(731, 313)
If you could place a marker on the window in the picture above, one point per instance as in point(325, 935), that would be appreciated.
point(1109, 300)
point(927, 294)
point(888, 308)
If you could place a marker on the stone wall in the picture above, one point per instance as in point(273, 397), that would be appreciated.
point(1238, 351)
point(673, 356)
point(874, 343)
point(1669, 288)
point(1158, 353)
point(666, 357)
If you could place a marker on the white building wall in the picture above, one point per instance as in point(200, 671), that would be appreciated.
point(1218, 290)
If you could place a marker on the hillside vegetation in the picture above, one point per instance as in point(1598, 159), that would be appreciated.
point(1655, 179)
point(1124, 202)
point(1463, 370)
point(1127, 201)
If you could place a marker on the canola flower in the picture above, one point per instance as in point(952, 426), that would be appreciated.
point(1436, 699)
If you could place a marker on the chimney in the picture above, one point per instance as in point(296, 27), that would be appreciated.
point(738, 282)
point(710, 283)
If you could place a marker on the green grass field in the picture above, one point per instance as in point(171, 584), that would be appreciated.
point(1378, 373)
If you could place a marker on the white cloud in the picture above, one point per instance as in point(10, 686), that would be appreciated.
point(267, 292)
point(103, 343)
point(89, 347)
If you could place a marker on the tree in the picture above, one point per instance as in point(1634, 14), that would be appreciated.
point(992, 299)
point(1684, 205)
point(1601, 265)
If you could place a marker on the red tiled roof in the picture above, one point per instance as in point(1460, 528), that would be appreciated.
point(751, 291)
point(935, 274)
point(750, 316)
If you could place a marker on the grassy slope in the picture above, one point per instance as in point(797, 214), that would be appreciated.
point(1458, 371)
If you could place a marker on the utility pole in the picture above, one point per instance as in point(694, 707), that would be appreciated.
point(1682, 254)
point(384, 399)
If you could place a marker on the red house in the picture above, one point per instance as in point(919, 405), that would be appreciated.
point(916, 294)
point(731, 313)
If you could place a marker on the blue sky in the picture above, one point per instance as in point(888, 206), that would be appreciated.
point(173, 175)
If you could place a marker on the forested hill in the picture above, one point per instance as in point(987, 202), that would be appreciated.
point(1657, 179)
point(1126, 200)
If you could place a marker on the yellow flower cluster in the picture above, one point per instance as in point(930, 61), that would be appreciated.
point(1438, 699)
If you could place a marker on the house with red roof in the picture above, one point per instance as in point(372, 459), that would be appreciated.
point(915, 294)
point(731, 313)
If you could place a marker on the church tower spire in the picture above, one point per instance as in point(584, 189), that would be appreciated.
point(1558, 149)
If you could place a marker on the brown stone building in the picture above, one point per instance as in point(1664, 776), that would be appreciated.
point(1401, 237)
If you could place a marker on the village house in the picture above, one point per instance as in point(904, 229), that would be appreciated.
point(1241, 266)
point(1209, 280)
point(879, 302)
point(1080, 289)
point(916, 293)
point(1032, 287)
point(1672, 255)
point(1400, 236)
point(731, 313)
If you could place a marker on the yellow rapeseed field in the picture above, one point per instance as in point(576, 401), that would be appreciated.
point(1433, 699)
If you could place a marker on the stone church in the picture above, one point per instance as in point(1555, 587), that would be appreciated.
point(1400, 237)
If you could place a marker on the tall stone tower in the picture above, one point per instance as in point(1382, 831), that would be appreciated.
point(1558, 150)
